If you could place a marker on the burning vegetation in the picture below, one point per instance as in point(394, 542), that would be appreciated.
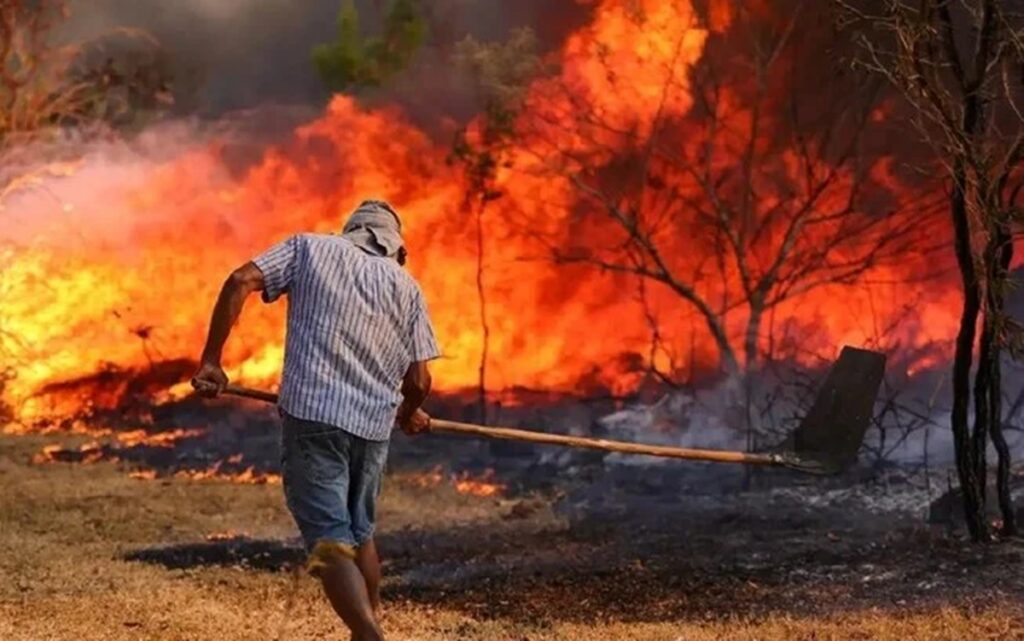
point(656, 196)
point(464, 483)
point(654, 221)
point(634, 179)
point(639, 220)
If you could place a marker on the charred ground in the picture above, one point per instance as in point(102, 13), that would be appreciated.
point(575, 546)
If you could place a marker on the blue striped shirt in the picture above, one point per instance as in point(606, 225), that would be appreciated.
point(355, 323)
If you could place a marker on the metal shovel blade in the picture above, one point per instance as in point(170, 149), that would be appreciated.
point(828, 439)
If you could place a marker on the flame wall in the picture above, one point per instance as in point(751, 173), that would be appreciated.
point(117, 260)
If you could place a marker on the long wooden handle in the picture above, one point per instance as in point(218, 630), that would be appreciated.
point(506, 433)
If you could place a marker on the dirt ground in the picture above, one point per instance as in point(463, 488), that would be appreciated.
point(89, 553)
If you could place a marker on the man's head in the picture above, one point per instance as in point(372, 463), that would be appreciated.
point(375, 228)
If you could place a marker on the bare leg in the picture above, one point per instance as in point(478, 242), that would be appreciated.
point(369, 564)
point(345, 588)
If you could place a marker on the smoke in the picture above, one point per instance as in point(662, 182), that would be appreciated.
point(237, 54)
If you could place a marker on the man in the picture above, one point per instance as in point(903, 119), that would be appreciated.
point(358, 341)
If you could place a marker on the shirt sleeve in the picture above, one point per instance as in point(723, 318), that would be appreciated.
point(424, 344)
point(278, 265)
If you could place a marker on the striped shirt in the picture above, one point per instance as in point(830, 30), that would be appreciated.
point(355, 323)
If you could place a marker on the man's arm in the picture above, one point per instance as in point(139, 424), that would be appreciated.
point(415, 389)
point(211, 379)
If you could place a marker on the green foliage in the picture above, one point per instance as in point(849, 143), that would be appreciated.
point(353, 62)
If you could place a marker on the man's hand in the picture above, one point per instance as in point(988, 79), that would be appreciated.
point(210, 380)
point(416, 423)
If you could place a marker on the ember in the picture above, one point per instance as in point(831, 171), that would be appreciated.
point(118, 442)
point(463, 482)
point(90, 452)
point(94, 451)
point(248, 476)
point(432, 478)
point(484, 485)
point(228, 535)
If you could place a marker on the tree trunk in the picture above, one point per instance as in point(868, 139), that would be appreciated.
point(750, 355)
point(484, 327)
point(750, 358)
point(727, 361)
point(1002, 256)
point(972, 478)
point(971, 486)
point(987, 359)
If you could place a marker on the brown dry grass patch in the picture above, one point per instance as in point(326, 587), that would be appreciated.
point(65, 531)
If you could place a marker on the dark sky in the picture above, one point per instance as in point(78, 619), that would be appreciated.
point(236, 54)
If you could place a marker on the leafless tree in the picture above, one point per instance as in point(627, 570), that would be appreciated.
point(759, 193)
point(958, 66)
point(500, 73)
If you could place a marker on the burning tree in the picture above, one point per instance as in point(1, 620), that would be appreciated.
point(501, 73)
point(736, 176)
point(957, 65)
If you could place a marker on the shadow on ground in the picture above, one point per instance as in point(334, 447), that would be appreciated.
point(257, 554)
point(653, 566)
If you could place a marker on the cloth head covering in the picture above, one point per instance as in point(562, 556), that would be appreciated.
point(374, 227)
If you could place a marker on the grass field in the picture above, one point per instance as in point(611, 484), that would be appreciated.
point(68, 532)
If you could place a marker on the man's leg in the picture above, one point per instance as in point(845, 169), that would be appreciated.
point(345, 588)
point(369, 565)
point(317, 470)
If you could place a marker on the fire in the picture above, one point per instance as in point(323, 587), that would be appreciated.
point(464, 483)
point(485, 485)
point(114, 266)
point(228, 535)
point(91, 452)
point(248, 476)
point(114, 442)
point(431, 478)
point(124, 439)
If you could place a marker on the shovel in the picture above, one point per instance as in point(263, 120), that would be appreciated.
point(826, 441)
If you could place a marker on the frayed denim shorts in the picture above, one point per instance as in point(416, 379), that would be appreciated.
point(331, 481)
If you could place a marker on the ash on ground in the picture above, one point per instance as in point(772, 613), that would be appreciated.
point(636, 538)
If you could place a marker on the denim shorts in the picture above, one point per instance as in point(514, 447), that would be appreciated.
point(331, 481)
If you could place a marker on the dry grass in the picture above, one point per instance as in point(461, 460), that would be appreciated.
point(65, 531)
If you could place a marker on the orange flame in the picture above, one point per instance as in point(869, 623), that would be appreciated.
point(91, 452)
point(248, 476)
point(119, 263)
point(485, 485)
point(94, 451)
point(428, 479)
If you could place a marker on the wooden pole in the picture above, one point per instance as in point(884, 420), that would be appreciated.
point(506, 433)
point(530, 436)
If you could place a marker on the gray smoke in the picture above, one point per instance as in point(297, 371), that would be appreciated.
point(237, 54)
